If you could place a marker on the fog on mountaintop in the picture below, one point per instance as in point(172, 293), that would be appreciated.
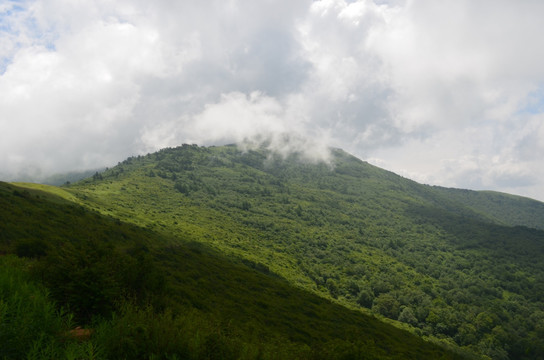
point(445, 93)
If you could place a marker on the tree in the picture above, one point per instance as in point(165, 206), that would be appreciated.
point(386, 305)
point(333, 287)
point(407, 316)
point(182, 188)
point(365, 298)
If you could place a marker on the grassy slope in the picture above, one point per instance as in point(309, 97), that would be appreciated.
point(259, 305)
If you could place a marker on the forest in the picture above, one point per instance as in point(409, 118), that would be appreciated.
point(248, 254)
point(75, 284)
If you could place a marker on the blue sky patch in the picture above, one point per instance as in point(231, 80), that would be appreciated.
point(534, 103)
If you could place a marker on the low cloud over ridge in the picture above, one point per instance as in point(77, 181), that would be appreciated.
point(447, 93)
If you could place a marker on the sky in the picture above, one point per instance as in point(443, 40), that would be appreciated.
point(446, 92)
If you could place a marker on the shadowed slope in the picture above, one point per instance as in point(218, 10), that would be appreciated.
point(91, 263)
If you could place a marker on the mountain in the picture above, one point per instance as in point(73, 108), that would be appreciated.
point(69, 177)
point(449, 266)
point(216, 307)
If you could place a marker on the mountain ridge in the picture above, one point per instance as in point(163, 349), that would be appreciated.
point(523, 211)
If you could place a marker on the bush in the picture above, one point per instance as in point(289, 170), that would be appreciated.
point(91, 277)
point(141, 333)
point(28, 318)
point(31, 248)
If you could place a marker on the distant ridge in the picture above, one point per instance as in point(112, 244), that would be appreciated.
point(504, 208)
point(69, 177)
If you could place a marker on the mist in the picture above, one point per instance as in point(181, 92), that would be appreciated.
point(447, 94)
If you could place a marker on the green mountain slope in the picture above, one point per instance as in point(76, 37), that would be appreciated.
point(227, 308)
point(347, 231)
point(503, 208)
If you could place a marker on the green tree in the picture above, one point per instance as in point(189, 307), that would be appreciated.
point(386, 305)
point(365, 298)
point(407, 316)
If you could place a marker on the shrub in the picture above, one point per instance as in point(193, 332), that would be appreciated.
point(28, 318)
point(34, 248)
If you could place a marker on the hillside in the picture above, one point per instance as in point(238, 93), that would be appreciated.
point(502, 208)
point(349, 232)
point(228, 308)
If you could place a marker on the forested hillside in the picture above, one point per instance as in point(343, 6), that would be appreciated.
point(138, 294)
point(503, 208)
point(349, 232)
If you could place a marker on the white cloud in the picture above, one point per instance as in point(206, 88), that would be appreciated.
point(458, 62)
point(460, 73)
point(251, 120)
point(75, 99)
point(445, 92)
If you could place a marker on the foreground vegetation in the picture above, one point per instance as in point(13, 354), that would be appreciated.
point(140, 294)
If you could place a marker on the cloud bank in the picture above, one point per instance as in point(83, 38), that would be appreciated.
point(448, 93)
